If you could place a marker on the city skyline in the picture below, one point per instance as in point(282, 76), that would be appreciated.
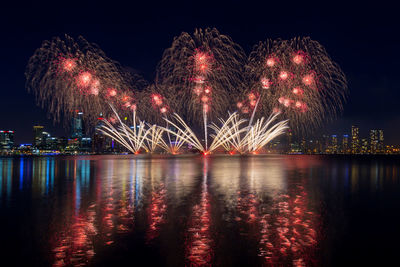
point(78, 142)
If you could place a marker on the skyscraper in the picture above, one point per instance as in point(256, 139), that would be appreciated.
point(99, 139)
point(37, 135)
point(373, 141)
point(355, 142)
point(77, 126)
point(364, 146)
point(289, 140)
point(381, 145)
point(6, 140)
point(325, 144)
point(334, 144)
point(345, 144)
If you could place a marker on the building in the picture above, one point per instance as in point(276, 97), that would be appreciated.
point(77, 126)
point(86, 144)
point(37, 135)
point(381, 145)
point(289, 135)
point(373, 140)
point(355, 142)
point(345, 144)
point(326, 147)
point(334, 144)
point(364, 146)
point(6, 141)
point(25, 149)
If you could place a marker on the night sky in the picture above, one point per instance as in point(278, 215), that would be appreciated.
point(363, 40)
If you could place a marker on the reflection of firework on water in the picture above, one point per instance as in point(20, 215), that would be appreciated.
point(68, 75)
point(75, 244)
point(286, 230)
point(296, 78)
point(95, 226)
point(199, 244)
point(289, 231)
point(156, 212)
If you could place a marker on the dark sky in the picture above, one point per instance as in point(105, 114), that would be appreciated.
point(364, 40)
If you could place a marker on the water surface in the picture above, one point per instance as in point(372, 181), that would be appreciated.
point(223, 210)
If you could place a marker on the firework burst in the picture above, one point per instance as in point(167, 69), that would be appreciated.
point(67, 75)
point(199, 73)
point(296, 78)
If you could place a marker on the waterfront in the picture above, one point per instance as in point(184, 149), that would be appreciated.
point(221, 210)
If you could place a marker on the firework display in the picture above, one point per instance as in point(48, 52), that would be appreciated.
point(296, 78)
point(200, 78)
point(228, 135)
point(200, 73)
point(67, 75)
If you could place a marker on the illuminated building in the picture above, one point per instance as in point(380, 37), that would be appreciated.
point(25, 149)
point(345, 144)
point(99, 139)
point(334, 144)
point(313, 147)
point(51, 143)
point(62, 143)
point(6, 140)
point(373, 134)
point(364, 146)
point(381, 146)
point(355, 142)
point(326, 144)
point(37, 135)
point(48, 142)
point(318, 147)
point(77, 126)
point(86, 144)
point(289, 140)
point(303, 146)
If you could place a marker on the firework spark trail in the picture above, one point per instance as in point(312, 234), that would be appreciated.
point(134, 139)
point(155, 134)
point(296, 78)
point(184, 132)
point(137, 137)
point(261, 134)
point(255, 137)
point(228, 134)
